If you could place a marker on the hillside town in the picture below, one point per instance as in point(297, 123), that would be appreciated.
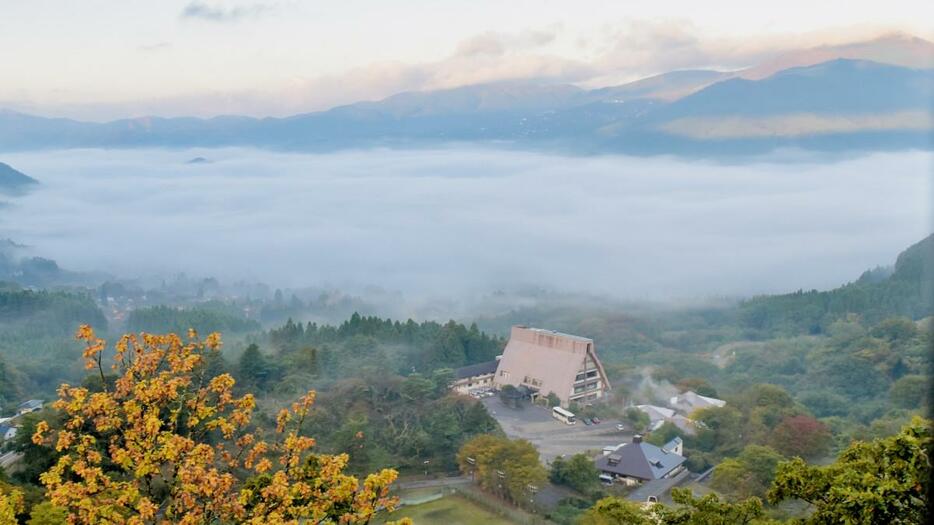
point(543, 383)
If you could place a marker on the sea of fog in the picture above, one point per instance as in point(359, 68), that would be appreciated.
point(447, 221)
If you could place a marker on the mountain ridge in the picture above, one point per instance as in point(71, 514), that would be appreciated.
point(823, 106)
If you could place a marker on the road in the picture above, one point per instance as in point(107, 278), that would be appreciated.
point(9, 459)
point(551, 437)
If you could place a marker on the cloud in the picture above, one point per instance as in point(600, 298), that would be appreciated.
point(158, 46)
point(617, 53)
point(216, 13)
point(637, 48)
point(434, 221)
point(493, 43)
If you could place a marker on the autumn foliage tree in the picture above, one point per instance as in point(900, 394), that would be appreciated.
point(168, 444)
point(801, 436)
point(503, 466)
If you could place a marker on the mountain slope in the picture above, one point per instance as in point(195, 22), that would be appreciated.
point(907, 291)
point(667, 86)
point(838, 86)
point(842, 104)
point(12, 180)
point(897, 49)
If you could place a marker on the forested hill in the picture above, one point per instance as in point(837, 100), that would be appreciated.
point(906, 290)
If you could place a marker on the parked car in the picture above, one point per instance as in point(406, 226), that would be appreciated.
point(595, 420)
point(586, 421)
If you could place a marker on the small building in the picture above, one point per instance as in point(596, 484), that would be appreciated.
point(658, 416)
point(474, 377)
point(676, 445)
point(7, 432)
point(690, 401)
point(638, 462)
point(546, 361)
point(33, 405)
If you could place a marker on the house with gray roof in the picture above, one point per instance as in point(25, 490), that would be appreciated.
point(474, 377)
point(7, 432)
point(546, 361)
point(690, 401)
point(638, 462)
point(33, 405)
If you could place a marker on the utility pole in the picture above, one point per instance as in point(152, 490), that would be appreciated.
point(473, 468)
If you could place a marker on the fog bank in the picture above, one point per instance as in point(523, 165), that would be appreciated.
point(448, 221)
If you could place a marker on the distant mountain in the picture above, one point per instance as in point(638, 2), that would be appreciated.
point(839, 104)
point(12, 180)
point(667, 86)
point(896, 49)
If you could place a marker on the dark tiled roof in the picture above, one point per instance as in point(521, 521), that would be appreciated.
point(478, 369)
point(640, 460)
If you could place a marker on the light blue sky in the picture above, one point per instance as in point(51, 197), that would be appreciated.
point(102, 59)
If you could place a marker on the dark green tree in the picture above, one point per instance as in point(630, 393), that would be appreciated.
point(577, 472)
point(253, 368)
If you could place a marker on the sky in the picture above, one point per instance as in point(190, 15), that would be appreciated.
point(451, 221)
point(104, 59)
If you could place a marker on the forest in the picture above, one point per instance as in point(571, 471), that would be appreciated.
point(805, 375)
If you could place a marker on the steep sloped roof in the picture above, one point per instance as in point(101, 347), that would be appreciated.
point(551, 357)
point(640, 460)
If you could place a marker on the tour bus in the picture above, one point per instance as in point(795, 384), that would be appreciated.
point(565, 416)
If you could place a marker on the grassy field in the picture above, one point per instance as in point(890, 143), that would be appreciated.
point(450, 510)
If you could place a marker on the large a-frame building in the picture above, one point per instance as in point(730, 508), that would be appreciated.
point(546, 361)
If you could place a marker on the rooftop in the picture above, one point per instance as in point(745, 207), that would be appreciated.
point(640, 460)
point(557, 333)
point(479, 369)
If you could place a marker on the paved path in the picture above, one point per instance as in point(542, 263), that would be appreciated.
point(9, 459)
point(432, 483)
point(551, 437)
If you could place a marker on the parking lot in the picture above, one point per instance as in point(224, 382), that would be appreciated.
point(552, 437)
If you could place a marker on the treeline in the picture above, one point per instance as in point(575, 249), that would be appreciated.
point(403, 347)
point(36, 329)
point(204, 319)
point(876, 295)
point(24, 312)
